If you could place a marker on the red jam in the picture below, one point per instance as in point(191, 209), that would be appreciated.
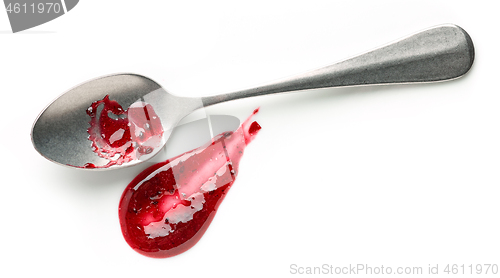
point(167, 208)
point(122, 135)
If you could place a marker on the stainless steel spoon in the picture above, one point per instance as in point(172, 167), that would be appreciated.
point(60, 131)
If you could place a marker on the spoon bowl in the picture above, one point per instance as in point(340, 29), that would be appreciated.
point(61, 131)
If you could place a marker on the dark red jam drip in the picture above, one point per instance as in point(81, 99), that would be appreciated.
point(120, 135)
point(167, 208)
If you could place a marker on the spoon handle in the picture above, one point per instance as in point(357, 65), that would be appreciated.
point(439, 53)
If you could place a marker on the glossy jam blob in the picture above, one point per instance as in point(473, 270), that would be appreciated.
point(122, 135)
point(166, 209)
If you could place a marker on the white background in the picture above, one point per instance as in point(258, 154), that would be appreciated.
point(402, 175)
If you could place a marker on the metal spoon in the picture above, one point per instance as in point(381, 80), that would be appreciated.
point(60, 131)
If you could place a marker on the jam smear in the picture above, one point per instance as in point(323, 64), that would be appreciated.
point(167, 208)
point(122, 135)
